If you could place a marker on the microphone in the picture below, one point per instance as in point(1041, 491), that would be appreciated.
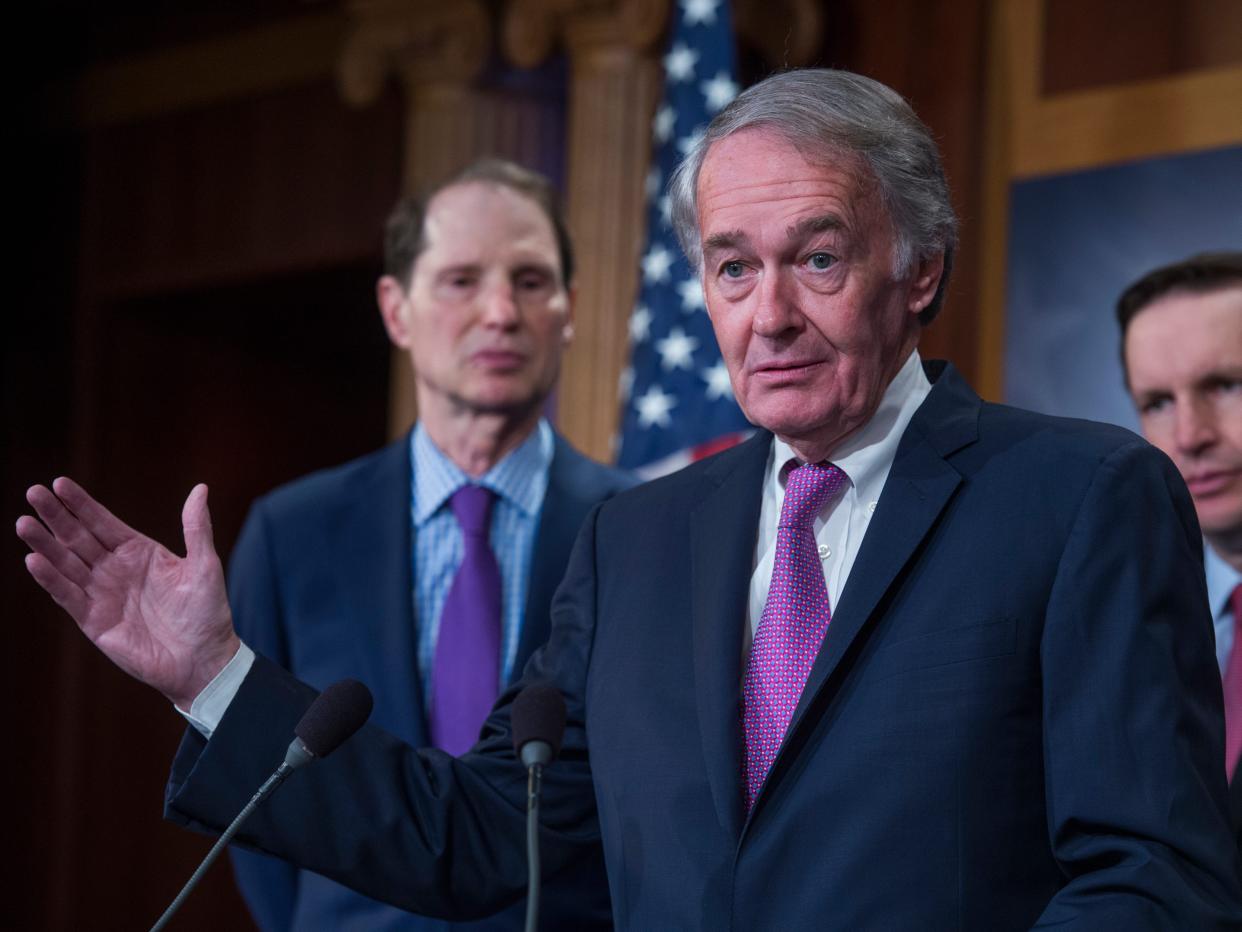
point(538, 722)
point(337, 712)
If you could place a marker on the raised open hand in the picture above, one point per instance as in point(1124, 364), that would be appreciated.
point(161, 618)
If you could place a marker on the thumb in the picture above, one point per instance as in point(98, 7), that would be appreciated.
point(196, 525)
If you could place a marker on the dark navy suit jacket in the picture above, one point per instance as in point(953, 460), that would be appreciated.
point(1014, 721)
point(320, 583)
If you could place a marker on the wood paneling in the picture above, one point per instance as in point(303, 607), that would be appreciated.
point(1032, 132)
point(1105, 43)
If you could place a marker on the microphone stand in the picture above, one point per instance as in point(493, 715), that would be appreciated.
point(222, 842)
point(534, 783)
point(538, 719)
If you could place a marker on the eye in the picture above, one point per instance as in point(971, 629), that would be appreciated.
point(820, 261)
point(532, 281)
point(1154, 404)
point(733, 269)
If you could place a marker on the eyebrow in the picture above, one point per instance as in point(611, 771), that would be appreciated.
point(459, 268)
point(1208, 379)
point(732, 239)
point(729, 239)
point(822, 224)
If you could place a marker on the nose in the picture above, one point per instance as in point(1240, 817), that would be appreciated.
point(776, 312)
point(1195, 429)
point(500, 307)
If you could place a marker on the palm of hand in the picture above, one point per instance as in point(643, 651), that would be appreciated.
point(161, 618)
point(149, 609)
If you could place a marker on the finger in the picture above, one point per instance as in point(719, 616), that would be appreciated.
point(63, 591)
point(110, 530)
point(67, 527)
point(196, 526)
point(39, 540)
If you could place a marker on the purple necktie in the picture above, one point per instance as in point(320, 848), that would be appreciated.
point(792, 626)
point(466, 676)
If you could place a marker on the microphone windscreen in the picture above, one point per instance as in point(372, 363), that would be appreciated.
point(538, 714)
point(336, 714)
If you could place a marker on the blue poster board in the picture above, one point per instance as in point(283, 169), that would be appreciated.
point(1077, 240)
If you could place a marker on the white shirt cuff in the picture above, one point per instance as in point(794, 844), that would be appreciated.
point(210, 705)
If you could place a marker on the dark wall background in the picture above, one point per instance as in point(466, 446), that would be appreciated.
point(193, 302)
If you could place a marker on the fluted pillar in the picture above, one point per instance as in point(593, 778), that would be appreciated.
point(436, 50)
point(613, 48)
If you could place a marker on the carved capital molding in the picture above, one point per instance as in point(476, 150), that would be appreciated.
point(788, 33)
point(423, 42)
point(588, 28)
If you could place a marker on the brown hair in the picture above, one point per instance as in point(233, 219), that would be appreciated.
point(404, 231)
point(1204, 272)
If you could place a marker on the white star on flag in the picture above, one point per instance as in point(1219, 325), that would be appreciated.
point(625, 384)
point(679, 63)
point(686, 143)
point(677, 349)
point(654, 181)
point(691, 295)
point(718, 91)
point(666, 209)
point(656, 264)
point(699, 11)
point(663, 124)
point(653, 407)
point(717, 379)
point(640, 324)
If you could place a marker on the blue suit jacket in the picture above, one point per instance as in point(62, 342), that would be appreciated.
point(320, 583)
point(1014, 721)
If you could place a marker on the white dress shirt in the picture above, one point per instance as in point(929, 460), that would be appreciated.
point(1221, 579)
point(865, 457)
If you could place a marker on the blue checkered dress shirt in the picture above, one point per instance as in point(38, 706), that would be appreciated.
point(520, 481)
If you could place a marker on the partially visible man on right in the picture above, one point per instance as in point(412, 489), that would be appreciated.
point(1181, 329)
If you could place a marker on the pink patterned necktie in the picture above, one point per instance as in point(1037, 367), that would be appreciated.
point(1233, 688)
point(792, 626)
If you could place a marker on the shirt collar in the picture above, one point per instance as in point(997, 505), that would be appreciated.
point(1221, 578)
point(519, 478)
point(866, 455)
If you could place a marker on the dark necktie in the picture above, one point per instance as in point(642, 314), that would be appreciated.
point(465, 677)
point(792, 626)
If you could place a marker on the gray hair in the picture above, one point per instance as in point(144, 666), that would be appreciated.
point(829, 115)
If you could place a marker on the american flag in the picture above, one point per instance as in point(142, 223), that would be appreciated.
point(677, 402)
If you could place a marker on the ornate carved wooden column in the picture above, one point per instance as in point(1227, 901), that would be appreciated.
point(613, 47)
point(437, 50)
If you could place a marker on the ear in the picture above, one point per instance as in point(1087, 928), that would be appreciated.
point(391, 298)
point(567, 329)
point(926, 280)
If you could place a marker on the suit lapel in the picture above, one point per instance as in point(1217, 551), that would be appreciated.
point(721, 564)
point(375, 574)
point(565, 506)
point(919, 486)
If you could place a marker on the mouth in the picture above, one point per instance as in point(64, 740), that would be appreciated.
point(498, 360)
point(1210, 482)
point(786, 371)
